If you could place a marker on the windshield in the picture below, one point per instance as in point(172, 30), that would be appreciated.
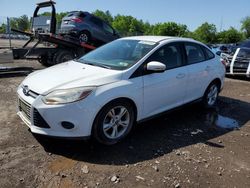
point(118, 55)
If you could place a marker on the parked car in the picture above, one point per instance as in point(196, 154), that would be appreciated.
point(238, 59)
point(87, 27)
point(106, 91)
point(238, 62)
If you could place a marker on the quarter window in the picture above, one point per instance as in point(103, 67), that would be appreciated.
point(170, 55)
point(209, 54)
point(194, 53)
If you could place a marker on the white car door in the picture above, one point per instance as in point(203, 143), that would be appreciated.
point(199, 69)
point(163, 91)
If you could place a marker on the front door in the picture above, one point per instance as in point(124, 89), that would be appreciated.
point(163, 91)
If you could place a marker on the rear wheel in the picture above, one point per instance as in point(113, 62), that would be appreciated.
point(211, 95)
point(63, 56)
point(113, 122)
point(46, 61)
point(84, 37)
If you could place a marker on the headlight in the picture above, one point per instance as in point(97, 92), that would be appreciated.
point(64, 96)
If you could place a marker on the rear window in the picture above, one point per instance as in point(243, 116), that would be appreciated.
point(77, 13)
point(72, 14)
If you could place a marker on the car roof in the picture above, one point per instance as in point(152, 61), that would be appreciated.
point(159, 38)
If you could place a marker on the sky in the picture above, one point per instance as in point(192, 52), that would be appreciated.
point(222, 13)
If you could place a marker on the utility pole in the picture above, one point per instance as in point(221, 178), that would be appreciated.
point(221, 24)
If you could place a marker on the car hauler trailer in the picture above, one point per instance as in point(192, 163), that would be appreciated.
point(63, 48)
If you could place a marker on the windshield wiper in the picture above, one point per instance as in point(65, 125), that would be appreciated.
point(98, 65)
point(93, 64)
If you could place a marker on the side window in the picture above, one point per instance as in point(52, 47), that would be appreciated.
point(208, 53)
point(107, 28)
point(194, 53)
point(170, 55)
point(96, 21)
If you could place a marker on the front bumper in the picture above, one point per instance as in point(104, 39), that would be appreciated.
point(47, 119)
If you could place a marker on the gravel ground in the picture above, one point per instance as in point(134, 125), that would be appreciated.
point(189, 147)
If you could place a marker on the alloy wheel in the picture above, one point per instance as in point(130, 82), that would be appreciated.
point(116, 122)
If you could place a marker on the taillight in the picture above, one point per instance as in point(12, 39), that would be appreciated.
point(77, 20)
point(223, 61)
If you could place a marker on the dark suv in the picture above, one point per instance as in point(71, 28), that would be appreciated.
point(87, 27)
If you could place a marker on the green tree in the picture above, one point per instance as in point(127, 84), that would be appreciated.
point(128, 25)
point(230, 36)
point(106, 16)
point(14, 23)
point(3, 28)
point(23, 23)
point(245, 26)
point(206, 33)
point(170, 29)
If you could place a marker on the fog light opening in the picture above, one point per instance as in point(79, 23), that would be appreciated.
point(67, 125)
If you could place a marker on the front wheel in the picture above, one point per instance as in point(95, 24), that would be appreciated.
point(211, 95)
point(113, 122)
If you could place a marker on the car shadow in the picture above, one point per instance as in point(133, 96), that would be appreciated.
point(177, 129)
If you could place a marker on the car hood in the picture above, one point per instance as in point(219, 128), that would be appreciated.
point(70, 75)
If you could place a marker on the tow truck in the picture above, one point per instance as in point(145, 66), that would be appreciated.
point(61, 49)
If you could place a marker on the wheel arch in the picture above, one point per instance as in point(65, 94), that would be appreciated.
point(125, 99)
point(216, 81)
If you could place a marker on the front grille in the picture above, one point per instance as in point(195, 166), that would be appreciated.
point(38, 120)
point(24, 107)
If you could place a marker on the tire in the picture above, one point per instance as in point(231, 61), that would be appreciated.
point(84, 37)
point(63, 56)
point(113, 122)
point(210, 97)
point(46, 61)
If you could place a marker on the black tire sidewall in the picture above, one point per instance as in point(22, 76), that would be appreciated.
point(98, 123)
point(59, 56)
point(205, 101)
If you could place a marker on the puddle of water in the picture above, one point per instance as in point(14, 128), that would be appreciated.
point(214, 119)
point(226, 123)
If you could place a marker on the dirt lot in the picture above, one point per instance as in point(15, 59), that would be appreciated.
point(189, 147)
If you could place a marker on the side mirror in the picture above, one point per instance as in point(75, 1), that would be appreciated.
point(155, 66)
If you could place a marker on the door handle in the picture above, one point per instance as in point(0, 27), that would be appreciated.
point(180, 76)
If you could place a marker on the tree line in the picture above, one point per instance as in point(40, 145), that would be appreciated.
point(129, 26)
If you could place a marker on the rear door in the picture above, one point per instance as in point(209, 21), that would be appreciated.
point(163, 91)
point(199, 69)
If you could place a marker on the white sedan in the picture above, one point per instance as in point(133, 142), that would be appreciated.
point(105, 92)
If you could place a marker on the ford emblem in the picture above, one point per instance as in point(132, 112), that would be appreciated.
point(26, 90)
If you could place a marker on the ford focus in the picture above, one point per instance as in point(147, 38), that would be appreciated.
point(105, 92)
